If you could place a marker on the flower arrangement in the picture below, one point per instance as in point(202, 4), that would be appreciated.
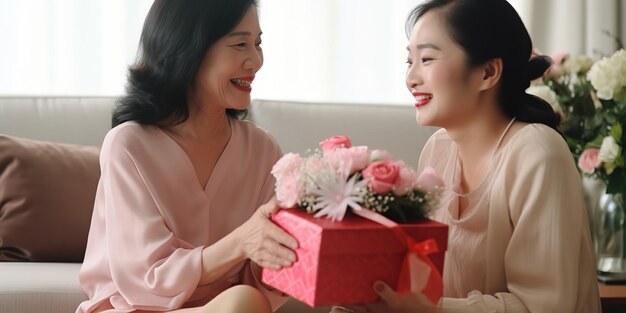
point(592, 98)
point(340, 176)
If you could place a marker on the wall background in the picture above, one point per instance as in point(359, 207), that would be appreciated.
point(315, 50)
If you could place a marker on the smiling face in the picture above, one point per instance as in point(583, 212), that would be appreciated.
point(446, 90)
point(225, 77)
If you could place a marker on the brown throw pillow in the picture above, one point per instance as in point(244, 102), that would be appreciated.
point(47, 193)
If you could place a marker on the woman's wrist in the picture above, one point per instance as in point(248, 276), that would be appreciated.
point(220, 257)
point(236, 241)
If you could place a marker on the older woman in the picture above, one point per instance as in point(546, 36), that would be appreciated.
point(182, 207)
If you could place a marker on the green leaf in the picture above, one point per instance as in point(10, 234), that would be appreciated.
point(596, 143)
point(616, 182)
point(621, 95)
point(607, 104)
point(609, 167)
point(395, 214)
point(616, 132)
point(619, 161)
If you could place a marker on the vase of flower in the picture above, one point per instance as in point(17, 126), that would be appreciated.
point(608, 220)
point(591, 97)
point(593, 189)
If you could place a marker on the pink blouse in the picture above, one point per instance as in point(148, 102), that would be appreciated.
point(151, 218)
point(523, 244)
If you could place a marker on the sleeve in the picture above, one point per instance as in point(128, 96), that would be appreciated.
point(147, 267)
point(549, 220)
point(269, 183)
point(252, 271)
point(426, 155)
point(543, 259)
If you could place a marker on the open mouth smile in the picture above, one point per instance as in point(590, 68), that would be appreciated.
point(422, 98)
point(243, 83)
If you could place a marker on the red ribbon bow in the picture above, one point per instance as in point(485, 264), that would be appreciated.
point(434, 285)
point(433, 289)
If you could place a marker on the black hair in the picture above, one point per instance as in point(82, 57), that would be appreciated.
point(175, 38)
point(490, 29)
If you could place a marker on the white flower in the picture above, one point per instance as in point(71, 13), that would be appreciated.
point(608, 76)
point(335, 193)
point(378, 155)
point(579, 64)
point(546, 93)
point(609, 150)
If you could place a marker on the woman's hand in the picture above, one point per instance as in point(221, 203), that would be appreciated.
point(392, 303)
point(264, 242)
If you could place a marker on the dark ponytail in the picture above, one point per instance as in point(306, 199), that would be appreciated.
point(490, 29)
point(531, 108)
point(175, 38)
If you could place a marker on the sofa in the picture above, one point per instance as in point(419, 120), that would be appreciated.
point(57, 140)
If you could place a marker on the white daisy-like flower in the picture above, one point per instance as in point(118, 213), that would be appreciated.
point(335, 193)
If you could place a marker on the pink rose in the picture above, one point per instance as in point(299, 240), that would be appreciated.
point(406, 182)
point(357, 157)
point(335, 142)
point(382, 175)
point(559, 57)
point(429, 181)
point(589, 160)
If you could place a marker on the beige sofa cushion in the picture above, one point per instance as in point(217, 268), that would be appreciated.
point(300, 126)
point(47, 192)
point(77, 120)
point(30, 287)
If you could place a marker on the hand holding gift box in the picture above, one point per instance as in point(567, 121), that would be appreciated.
point(341, 256)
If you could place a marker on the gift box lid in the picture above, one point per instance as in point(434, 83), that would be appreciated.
point(357, 235)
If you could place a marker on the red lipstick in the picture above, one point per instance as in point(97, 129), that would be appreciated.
point(422, 98)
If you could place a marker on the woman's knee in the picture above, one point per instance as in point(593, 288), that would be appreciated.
point(241, 298)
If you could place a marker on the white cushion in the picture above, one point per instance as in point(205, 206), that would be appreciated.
point(39, 287)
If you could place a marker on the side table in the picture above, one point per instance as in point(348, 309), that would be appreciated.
point(613, 298)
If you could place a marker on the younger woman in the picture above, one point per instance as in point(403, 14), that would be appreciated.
point(519, 238)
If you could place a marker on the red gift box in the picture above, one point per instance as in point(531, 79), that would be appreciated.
point(338, 262)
